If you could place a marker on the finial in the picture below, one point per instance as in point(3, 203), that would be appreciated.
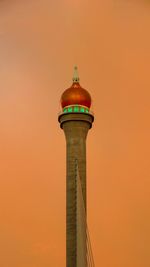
point(75, 75)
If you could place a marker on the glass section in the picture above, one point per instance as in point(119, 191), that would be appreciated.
point(70, 109)
point(82, 109)
point(76, 109)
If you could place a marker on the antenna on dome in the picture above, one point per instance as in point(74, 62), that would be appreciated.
point(75, 75)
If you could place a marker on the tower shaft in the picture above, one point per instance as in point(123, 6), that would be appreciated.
point(75, 127)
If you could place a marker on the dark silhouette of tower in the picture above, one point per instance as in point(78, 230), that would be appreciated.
point(75, 119)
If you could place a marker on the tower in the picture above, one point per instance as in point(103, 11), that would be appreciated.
point(75, 119)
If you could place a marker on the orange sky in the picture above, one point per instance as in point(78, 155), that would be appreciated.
point(40, 42)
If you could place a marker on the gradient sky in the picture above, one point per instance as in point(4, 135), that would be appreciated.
point(40, 42)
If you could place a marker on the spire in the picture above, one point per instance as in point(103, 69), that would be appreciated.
point(75, 75)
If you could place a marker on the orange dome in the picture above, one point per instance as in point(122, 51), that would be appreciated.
point(76, 95)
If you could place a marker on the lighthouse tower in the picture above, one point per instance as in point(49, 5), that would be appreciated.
point(75, 119)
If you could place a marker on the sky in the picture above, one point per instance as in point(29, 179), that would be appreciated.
point(40, 42)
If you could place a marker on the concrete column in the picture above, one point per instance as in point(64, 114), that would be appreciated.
point(75, 126)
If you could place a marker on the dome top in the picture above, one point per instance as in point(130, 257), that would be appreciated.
point(75, 95)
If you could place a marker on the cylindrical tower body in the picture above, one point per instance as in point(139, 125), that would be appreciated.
point(75, 123)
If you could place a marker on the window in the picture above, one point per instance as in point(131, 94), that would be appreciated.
point(82, 109)
point(76, 109)
point(70, 109)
